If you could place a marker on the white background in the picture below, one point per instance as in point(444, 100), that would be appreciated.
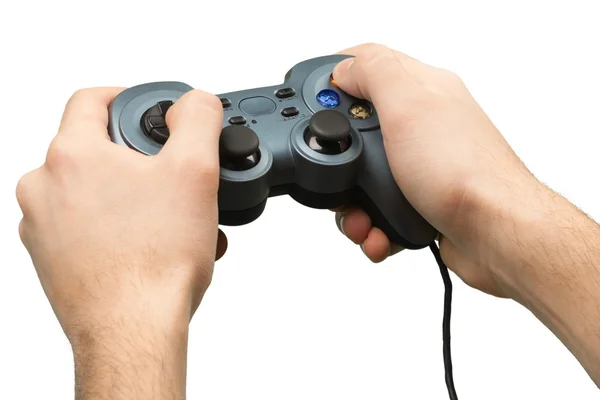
point(295, 311)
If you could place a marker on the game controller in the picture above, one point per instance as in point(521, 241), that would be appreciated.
point(305, 138)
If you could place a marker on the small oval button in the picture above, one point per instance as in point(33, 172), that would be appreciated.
point(238, 120)
point(285, 93)
point(289, 112)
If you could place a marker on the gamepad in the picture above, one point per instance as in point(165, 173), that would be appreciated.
point(305, 138)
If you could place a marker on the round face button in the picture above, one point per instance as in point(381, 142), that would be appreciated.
point(333, 82)
point(328, 98)
point(360, 111)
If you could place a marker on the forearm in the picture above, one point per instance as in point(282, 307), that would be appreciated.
point(134, 354)
point(547, 254)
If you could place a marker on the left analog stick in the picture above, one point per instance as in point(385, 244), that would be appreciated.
point(238, 148)
point(154, 123)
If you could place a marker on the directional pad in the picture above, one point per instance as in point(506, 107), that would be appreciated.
point(154, 124)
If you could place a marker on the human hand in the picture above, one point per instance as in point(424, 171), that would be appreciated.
point(118, 237)
point(448, 158)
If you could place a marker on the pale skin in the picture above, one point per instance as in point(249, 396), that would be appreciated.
point(124, 285)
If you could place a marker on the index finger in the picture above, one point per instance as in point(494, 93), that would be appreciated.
point(86, 112)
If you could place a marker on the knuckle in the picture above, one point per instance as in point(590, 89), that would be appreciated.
point(23, 232)
point(376, 65)
point(80, 94)
point(450, 77)
point(59, 153)
point(197, 103)
point(376, 55)
point(203, 100)
point(23, 190)
point(374, 47)
point(213, 103)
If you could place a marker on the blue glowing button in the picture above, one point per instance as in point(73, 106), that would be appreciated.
point(328, 98)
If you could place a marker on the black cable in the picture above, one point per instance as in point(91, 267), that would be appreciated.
point(446, 324)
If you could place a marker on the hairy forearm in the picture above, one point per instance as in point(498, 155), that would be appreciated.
point(132, 355)
point(547, 254)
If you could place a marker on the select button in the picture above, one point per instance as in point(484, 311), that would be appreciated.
point(239, 120)
point(290, 112)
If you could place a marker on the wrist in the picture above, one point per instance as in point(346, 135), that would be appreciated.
point(544, 253)
point(154, 310)
point(131, 365)
point(132, 352)
point(107, 302)
point(524, 233)
point(497, 221)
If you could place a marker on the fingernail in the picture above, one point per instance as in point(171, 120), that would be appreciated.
point(362, 247)
point(395, 249)
point(339, 221)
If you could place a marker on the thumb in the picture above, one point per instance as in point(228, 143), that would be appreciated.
point(374, 73)
point(195, 122)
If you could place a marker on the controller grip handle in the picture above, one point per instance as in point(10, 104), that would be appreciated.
point(381, 198)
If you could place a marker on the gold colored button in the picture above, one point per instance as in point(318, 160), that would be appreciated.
point(332, 81)
point(360, 111)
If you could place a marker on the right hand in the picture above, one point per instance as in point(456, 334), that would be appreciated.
point(448, 158)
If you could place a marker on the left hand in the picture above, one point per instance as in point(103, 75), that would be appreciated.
point(118, 237)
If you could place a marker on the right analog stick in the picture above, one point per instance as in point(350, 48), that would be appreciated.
point(328, 132)
point(238, 148)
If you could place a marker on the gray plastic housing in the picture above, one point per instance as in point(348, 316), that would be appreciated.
point(287, 165)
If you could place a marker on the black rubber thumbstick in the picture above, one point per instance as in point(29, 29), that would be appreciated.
point(328, 132)
point(330, 125)
point(238, 148)
point(154, 122)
